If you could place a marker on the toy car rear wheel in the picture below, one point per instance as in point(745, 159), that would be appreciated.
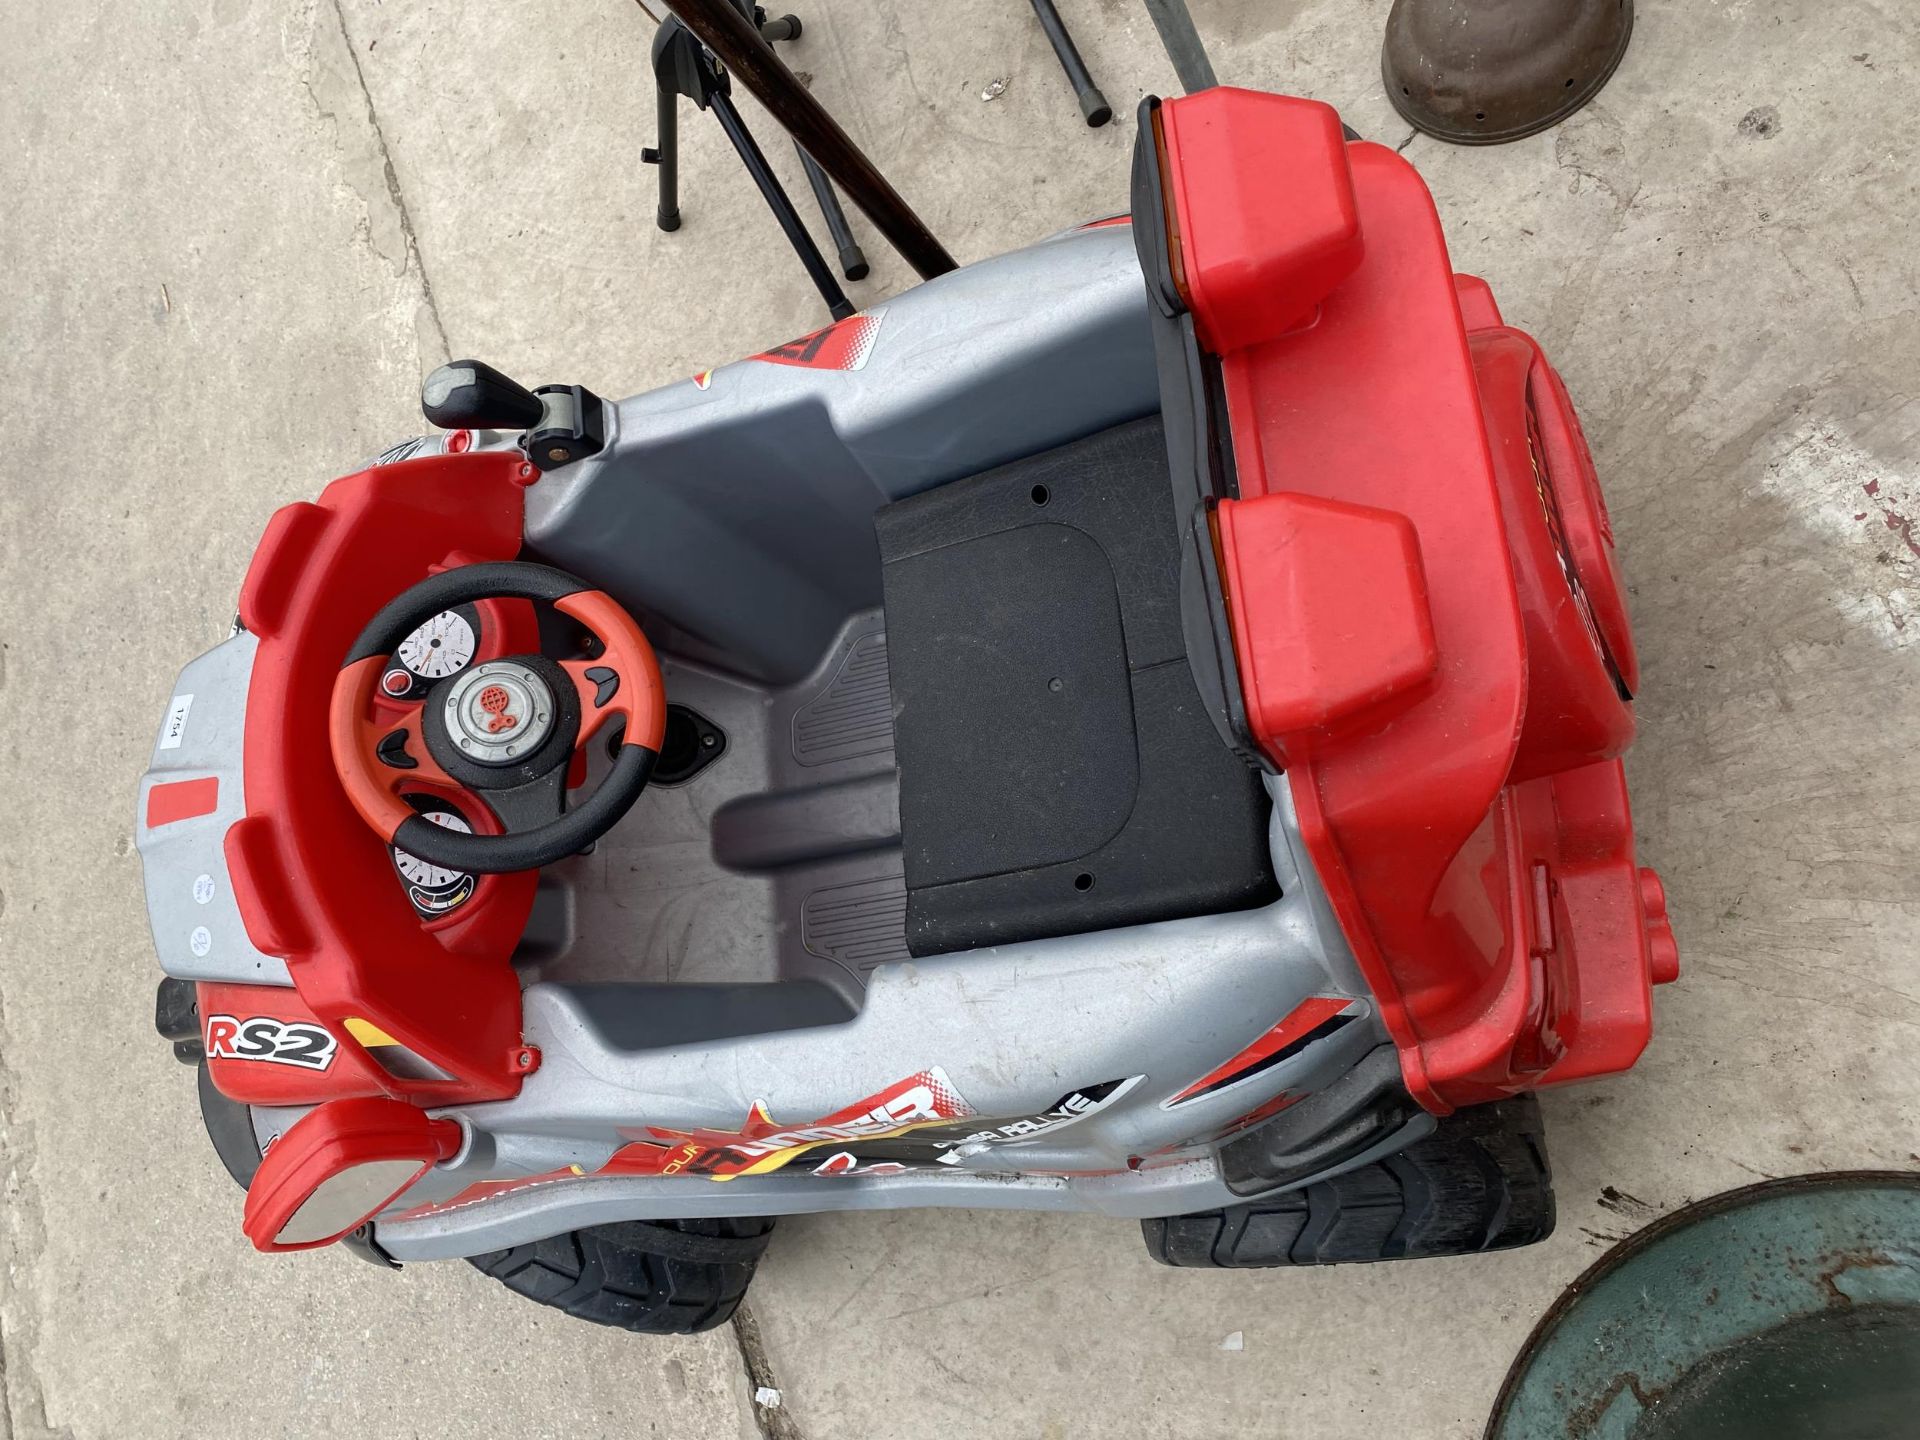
point(653, 1277)
point(1479, 1182)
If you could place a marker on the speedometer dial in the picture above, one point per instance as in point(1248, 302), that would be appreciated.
point(434, 889)
point(442, 646)
point(420, 872)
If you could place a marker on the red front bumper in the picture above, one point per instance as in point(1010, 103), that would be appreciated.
point(1428, 622)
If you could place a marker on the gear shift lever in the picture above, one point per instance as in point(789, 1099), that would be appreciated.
point(559, 423)
point(472, 395)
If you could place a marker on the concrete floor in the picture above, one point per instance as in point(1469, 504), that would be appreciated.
point(235, 235)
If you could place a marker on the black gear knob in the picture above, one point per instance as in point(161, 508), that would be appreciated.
point(472, 395)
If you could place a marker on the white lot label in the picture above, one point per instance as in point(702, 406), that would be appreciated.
point(202, 889)
point(175, 730)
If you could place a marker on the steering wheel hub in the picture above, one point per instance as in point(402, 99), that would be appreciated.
point(498, 712)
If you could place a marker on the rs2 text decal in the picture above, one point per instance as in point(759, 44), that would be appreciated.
point(279, 1042)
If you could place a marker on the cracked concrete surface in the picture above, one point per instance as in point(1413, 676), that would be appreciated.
point(338, 86)
point(221, 222)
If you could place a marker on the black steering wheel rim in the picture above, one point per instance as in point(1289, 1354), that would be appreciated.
point(516, 849)
point(462, 585)
point(578, 828)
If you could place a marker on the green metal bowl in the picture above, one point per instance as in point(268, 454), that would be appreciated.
point(1788, 1310)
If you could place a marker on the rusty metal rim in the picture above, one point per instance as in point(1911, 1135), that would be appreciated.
point(1641, 1240)
point(1573, 103)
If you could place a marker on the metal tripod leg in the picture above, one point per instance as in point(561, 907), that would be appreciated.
point(733, 38)
point(667, 156)
point(1093, 104)
point(853, 260)
point(1182, 43)
point(681, 66)
point(816, 265)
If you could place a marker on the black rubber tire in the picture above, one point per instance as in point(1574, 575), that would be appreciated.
point(653, 1277)
point(1480, 1182)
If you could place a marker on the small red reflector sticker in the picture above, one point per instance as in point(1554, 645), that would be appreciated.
point(182, 800)
point(1310, 1020)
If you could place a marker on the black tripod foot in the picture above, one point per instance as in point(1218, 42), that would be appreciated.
point(853, 262)
point(669, 219)
point(1093, 104)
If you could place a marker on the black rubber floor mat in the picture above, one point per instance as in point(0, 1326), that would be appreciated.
point(1058, 774)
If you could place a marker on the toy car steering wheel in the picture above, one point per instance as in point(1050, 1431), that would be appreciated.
point(506, 730)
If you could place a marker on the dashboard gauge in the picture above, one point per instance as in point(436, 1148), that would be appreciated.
point(439, 648)
point(433, 889)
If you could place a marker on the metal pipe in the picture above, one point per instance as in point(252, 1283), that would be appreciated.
point(722, 28)
point(1093, 104)
point(1182, 44)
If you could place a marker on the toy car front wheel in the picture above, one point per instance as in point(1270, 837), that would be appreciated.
point(654, 1277)
point(1479, 1182)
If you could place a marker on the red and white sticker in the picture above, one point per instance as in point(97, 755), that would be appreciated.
point(843, 345)
point(863, 1139)
point(763, 1145)
point(274, 1042)
point(1313, 1019)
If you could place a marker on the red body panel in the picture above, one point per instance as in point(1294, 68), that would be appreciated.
point(1426, 614)
point(1256, 257)
point(313, 882)
point(255, 1064)
point(326, 1144)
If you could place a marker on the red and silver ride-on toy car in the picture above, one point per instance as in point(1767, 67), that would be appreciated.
point(1131, 726)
